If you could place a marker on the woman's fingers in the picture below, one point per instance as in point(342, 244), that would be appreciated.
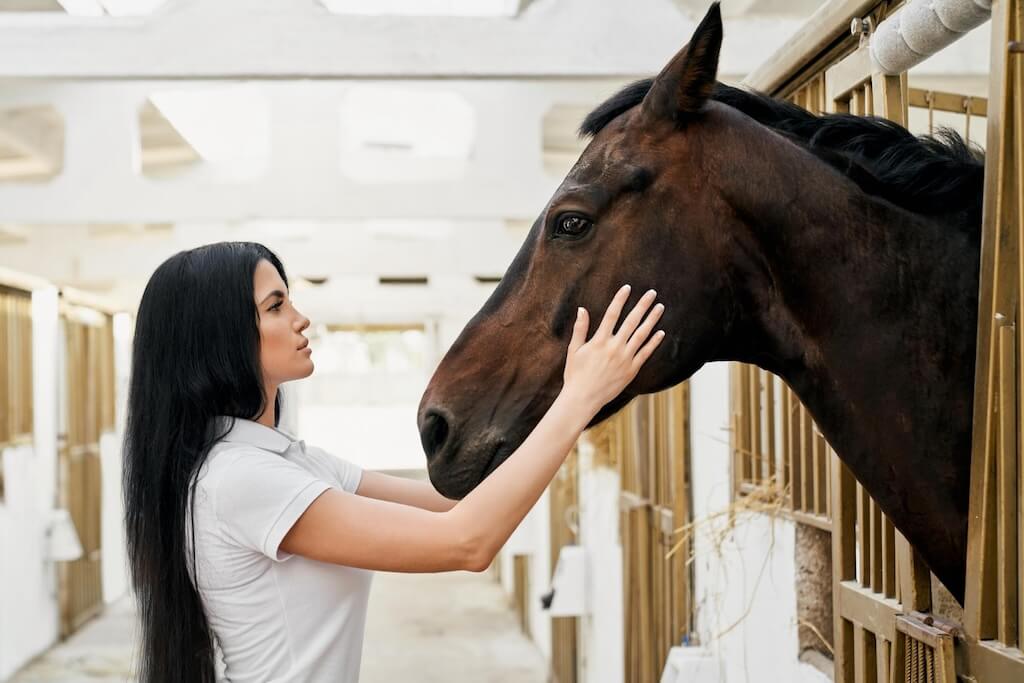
point(611, 316)
point(629, 325)
point(579, 330)
point(647, 349)
point(644, 331)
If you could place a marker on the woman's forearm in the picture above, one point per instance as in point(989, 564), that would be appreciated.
point(596, 371)
point(489, 514)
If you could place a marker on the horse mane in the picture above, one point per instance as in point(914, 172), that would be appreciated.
point(938, 174)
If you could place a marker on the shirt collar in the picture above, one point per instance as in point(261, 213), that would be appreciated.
point(256, 434)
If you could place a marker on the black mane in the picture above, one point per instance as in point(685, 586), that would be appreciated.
point(937, 174)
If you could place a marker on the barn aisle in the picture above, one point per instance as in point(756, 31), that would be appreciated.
point(447, 627)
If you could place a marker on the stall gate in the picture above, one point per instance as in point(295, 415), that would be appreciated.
point(564, 492)
point(884, 629)
point(88, 410)
point(15, 370)
point(648, 442)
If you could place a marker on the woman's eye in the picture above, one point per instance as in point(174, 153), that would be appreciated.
point(572, 225)
point(276, 306)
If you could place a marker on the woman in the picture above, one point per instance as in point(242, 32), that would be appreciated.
point(239, 532)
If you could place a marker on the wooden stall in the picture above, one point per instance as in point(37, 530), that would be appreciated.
point(88, 411)
point(885, 627)
point(648, 442)
point(564, 493)
point(16, 394)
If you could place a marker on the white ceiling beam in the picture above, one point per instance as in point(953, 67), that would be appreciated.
point(89, 258)
point(504, 177)
point(198, 39)
point(118, 265)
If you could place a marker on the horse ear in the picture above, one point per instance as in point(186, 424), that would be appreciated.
point(686, 82)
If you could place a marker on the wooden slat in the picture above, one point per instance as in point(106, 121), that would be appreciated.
point(861, 605)
point(789, 473)
point(863, 536)
point(878, 521)
point(843, 564)
point(754, 456)
point(846, 78)
point(986, 661)
point(806, 459)
point(888, 559)
point(770, 419)
point(1007, 494)
point(999, 266)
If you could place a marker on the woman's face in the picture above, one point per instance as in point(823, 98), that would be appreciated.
point(284, 351)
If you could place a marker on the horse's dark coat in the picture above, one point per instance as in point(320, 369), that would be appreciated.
point(840, 254)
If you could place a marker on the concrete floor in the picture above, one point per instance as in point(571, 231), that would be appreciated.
point(443, 628)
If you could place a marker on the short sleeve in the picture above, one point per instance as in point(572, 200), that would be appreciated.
point(260, 495)
point(348, 475)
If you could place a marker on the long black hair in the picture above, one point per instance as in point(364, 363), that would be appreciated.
point(195, 356)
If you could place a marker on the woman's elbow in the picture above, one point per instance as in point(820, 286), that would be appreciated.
point(475, 552)
point(479, 561)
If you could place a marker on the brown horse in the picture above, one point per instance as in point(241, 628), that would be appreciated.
point(838, 252)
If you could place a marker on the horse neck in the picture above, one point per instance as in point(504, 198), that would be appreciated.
point(869, 313)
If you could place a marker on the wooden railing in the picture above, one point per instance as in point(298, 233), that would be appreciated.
point(994, 609)
point(881, 591)
point(776, 445)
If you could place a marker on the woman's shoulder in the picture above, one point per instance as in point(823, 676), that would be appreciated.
point(222, 459)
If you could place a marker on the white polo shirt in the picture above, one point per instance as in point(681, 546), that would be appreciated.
point(276, 617)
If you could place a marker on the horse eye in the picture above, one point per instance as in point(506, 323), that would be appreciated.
point(572, 225)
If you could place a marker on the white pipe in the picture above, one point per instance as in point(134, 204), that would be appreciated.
point(921, 28)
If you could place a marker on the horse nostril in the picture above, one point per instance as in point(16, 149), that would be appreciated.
point(433, 433)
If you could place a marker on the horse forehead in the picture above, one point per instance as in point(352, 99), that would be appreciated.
point(611, 166)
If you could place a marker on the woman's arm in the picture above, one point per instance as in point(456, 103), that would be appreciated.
point(362, 532)
point(414, 492)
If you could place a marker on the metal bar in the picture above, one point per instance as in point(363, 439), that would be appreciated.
point(952, 103)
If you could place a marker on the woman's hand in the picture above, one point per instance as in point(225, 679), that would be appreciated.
point(597, 371)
